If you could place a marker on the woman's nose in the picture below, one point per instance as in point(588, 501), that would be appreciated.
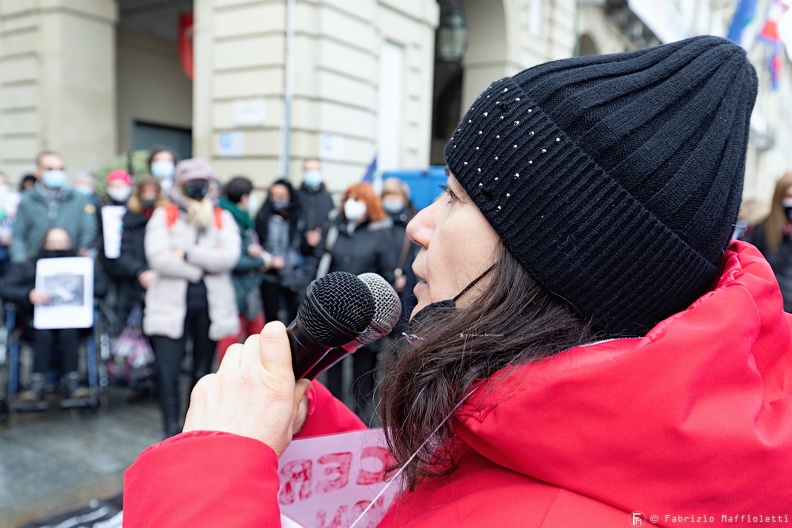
point(420, 227)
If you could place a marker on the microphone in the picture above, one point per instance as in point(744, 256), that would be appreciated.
point(336, 310)
point(386, 314)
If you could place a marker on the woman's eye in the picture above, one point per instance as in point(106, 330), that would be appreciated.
point(449, 192)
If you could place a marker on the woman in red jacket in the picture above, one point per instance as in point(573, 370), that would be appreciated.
point(589, 348)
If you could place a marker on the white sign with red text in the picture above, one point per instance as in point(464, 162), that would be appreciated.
point(329, 481)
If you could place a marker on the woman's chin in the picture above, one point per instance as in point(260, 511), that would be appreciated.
point(421, 292)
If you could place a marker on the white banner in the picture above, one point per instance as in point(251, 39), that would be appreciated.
point(330, 481)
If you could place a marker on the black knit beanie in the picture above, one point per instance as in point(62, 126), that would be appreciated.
point(615, 179)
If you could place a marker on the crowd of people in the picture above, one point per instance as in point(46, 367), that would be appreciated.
point(189, 261)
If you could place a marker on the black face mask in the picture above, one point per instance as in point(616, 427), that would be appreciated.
point(148, 204)
point(56, 253)
point(440, 307)
point(196, 189)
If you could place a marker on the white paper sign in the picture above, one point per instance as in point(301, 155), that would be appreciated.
point(231, 144)
point(69, 283)
point(331, 147)
point(329, 481)
point(112, 222)
point(247, 112)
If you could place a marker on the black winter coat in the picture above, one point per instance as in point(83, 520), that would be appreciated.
point(407, 297)
point(131, 263)
point(315, 207)
point(368, 249)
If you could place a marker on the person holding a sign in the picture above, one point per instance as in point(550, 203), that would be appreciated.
point(589, 348)
point(19, 286)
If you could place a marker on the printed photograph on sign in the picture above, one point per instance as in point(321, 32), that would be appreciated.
point(69, 283)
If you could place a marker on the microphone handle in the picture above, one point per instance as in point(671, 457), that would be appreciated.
point(331, 358)
point(306, 351)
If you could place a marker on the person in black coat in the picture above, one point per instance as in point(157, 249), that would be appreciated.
point(315, 203)
point(280, 230)
point(132, 266)
point(19, 287)
point(364, 244)
point(110, 212)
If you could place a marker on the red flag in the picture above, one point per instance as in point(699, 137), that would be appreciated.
point(769, 32)
point(186, 43)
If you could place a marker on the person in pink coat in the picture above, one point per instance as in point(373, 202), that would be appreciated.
point(590, 348)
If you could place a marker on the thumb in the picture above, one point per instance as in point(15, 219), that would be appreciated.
point(274, 350)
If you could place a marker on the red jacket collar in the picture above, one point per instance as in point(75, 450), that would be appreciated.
point(695, 415)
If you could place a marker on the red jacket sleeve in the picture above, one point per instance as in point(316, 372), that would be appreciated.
point(327, 415)
point(209, 479)
point(203, 479)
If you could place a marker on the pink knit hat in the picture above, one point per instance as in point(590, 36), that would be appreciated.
point(193, 169)
point(119, 175)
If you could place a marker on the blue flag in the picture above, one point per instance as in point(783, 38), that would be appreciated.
point(371, 170)
point(743, 16)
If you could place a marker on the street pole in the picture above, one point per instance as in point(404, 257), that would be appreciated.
point(285, 151)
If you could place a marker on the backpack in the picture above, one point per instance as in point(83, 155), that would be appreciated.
point(172, 214)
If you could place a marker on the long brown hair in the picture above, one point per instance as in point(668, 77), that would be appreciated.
point(514, 321)
point(135, 205)
point(777, 219)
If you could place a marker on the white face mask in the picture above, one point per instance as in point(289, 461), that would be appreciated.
point(393, 205)
point(253, 205)
point(354, 211)
point(119, 194)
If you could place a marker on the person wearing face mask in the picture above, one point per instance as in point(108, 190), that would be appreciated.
point(162, 165)
point(131, 266)
point(315, 203)
point(118, 188)
point(191, 246)
point(280, 229)
point(773, 237)
point(364, 242)
point(252, 261)
point(19, 288)
point(52, 203)
point(83, 183)
point(396, 202)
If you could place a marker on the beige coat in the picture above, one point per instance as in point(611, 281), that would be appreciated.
point(209, 256)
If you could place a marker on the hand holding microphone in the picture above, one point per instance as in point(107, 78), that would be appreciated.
point(254, 392)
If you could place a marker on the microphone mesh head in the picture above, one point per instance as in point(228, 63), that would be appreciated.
point(387, 308)
point(343, 308)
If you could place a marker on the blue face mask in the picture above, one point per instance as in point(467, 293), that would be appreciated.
point(54, 179)
point(280, 205)
point(163, 169)
point(313, 178)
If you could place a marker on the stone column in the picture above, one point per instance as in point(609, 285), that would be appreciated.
point(57, 82)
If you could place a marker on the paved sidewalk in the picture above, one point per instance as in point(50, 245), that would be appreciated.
point(59, 460)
